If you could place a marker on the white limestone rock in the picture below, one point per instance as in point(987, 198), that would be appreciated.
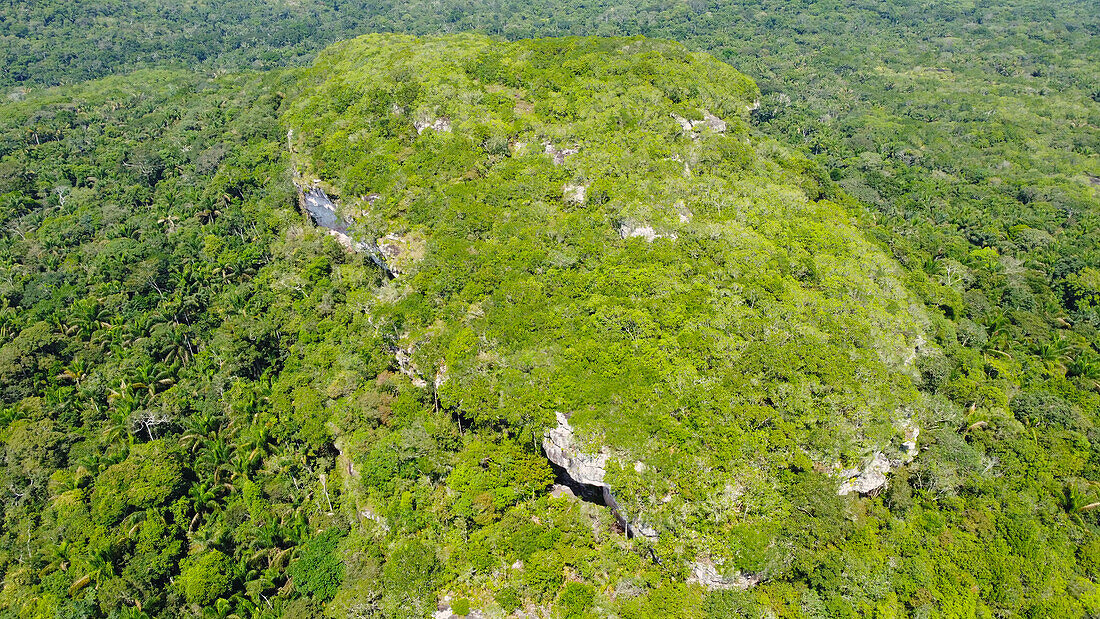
point(558, 443)
point(705, 573)
point(629, 230)
point(574, 194)
point(869, 480)
point(559, 155)
point(441, 124)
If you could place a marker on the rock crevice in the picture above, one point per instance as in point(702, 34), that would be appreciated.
point(322, 211)
point(584, 473)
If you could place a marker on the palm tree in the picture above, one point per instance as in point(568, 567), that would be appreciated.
point(134, 521)
point(100, 567)
point(208, 537)
point(203, 499)
point(215, 454)
point(76, 371)
point(1086, 366)
point(198, 429)
point(88, 317)
point(178, 350)
point(997, 324)
point(139, 326)
point(59, 557)
point(92, 463)
point(154, 376)
point(132, 612)
point(220, 610)
point(62, 399)
point(1052, 352)
point(128, 396)
point(1074, 502)
point(256, 442)
point(119, 431)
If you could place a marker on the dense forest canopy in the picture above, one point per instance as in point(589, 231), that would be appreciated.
point(811, 294)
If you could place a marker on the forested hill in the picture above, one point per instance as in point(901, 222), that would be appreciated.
point(802, 386)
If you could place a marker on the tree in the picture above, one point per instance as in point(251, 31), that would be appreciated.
point(318, 570)
point(205, 577)
point(408, 578)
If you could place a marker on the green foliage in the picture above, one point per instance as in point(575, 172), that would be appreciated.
point(319, 569)
point(576, 599)
point(206, 577)
point(509, 599)
point(186, 369)
point(529, 302)
point(144, 345)
point(149, 477)
point(409, 578)
point(492, 476)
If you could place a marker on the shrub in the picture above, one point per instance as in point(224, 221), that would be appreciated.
point(319, 571)
point(576, 598)
point(509, 599)
point(206, 577)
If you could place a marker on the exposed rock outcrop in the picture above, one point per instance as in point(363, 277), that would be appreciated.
point(442, 125)
point(559, 155)
point(322, 210)
point(407, 367)
point(692, 127)
point(872, 477)
point(584, 474)
point(561, 449)
point(716, 124)
point(574, 194)
point(559, 491)
point(910, 443)
point(705, 573)
point(683, 212)
point(628, 230)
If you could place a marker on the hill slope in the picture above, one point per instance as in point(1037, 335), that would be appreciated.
point(599, 236)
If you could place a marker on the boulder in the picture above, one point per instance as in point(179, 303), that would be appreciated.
point(869, 480)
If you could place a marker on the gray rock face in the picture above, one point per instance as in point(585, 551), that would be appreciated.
point(910, 443)
point(712, 122)
point(407, 367)
point(587, 469)
point(705, 573)
point(574, 194)
point(629, 230)
point(871, 479)
point(559, 491)
point(716, 124)
point(558, 155)
point(322, 210)
point(441, 125)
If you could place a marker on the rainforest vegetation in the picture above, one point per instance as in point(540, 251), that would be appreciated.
point(747, 249)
